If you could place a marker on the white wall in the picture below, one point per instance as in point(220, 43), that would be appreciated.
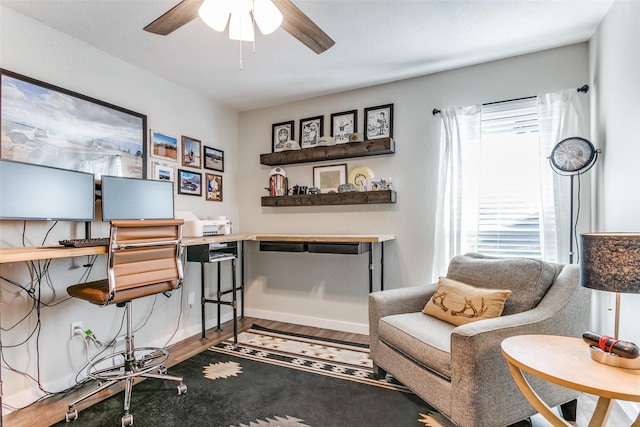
point(331, 290)
point(614, 62)
point(29, 48)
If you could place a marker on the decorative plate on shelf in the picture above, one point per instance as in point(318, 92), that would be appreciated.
point(359, 173)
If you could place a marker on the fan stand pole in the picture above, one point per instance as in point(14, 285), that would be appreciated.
point(571, 222)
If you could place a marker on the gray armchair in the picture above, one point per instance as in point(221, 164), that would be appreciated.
point(459, 370)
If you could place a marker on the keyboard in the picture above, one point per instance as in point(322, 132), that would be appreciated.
point(83, 243)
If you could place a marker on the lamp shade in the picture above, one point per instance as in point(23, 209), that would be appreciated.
point(610, 262)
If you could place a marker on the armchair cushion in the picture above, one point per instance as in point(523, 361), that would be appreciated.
point(458, 303)
point(528, 279)
point(424, 339)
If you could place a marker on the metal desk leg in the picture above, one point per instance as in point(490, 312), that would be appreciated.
point(234, 302)
point(370, 267)
point(219, 296)
point(382, 266)
point(203, 302)
point(241, 280)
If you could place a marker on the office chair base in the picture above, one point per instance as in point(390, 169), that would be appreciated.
point(126, 366)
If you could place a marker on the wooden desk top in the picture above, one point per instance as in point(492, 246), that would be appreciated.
point(334, 238)
point(567, 361)
point(34, 253)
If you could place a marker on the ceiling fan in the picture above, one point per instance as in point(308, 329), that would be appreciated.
point(295, 22)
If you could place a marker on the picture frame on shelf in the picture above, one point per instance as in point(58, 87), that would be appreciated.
point(214, 187)
point(163, 146)
point(328, 178)
point(213, 159)
point(281, 133)
point(378, 122)
point(47, 125)
point(311, 129)
point(189, 182)
point(163, 172)
point(191, 149)
point(343, 124)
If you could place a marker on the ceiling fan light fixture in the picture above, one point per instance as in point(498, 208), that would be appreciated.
point(215, 13)
point(268, 17)
point(241, 27)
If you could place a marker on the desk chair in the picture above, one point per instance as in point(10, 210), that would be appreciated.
point(144, 258)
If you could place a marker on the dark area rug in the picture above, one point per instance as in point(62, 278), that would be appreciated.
point(253, 385)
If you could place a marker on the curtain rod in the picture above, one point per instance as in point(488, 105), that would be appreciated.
point(581, 89)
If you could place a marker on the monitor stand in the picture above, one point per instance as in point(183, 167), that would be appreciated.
point(87, 229)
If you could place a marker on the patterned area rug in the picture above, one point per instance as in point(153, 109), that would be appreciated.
point(271, 379)
point(343, 360)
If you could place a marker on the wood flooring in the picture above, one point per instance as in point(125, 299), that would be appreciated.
point(52, 410)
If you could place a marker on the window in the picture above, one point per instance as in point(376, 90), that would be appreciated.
point(509, 181)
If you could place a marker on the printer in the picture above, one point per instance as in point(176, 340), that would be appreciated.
point(195, 227)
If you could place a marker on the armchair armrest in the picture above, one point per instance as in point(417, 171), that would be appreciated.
point(475, 347)
point(396, 301)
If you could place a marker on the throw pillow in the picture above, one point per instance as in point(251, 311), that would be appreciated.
point(458, 303)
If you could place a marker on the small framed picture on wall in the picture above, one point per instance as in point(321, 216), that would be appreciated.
point(191, 149)
point(214, 187)
point(163, 172)
point(342, 124)
point(311, 130)
point(213, 159)
point(281, 133)
point(378, 122)
point(189, 183)
point(163, 146)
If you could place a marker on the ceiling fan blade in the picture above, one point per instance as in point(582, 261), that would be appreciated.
point(179, 15)
point(301, 27)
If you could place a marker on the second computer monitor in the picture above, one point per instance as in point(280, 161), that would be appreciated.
point(131, 198)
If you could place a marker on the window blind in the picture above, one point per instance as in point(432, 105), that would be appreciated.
point(509, 195)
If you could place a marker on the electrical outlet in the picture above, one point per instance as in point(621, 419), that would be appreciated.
point(76, 329)
point(191, 298)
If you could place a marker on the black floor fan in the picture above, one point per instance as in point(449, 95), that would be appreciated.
point(570, 157)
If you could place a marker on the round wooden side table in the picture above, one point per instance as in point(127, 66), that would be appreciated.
point(566, 361)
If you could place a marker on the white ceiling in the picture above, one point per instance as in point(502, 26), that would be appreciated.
point(376, 42)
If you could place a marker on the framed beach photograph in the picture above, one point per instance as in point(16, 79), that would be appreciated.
point(311, 129)
point(163, 172)
point(213, 159)
point(378, 122)
point(47, 125)
point(191, 149)
point(342, 124)
point(189, 183)
point(163, 146)
point(281, 133)
point(214, 187)
point(328, 178)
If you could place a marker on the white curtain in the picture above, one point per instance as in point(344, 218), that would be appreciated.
point(559, 117)
point(460, 128)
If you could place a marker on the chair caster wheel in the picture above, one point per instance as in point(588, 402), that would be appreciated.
point(162, 370)
point(72, 414)
point(127, 420)
point(182, 389)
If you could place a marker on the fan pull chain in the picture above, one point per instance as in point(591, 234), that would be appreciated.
point(240, 55)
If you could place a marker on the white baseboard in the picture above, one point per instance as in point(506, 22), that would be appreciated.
point(336, 325)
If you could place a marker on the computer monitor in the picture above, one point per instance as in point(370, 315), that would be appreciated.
point(131, 198)
point(35, 192)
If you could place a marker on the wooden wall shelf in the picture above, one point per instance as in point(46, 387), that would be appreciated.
point(350, 198)
point(348, 150)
